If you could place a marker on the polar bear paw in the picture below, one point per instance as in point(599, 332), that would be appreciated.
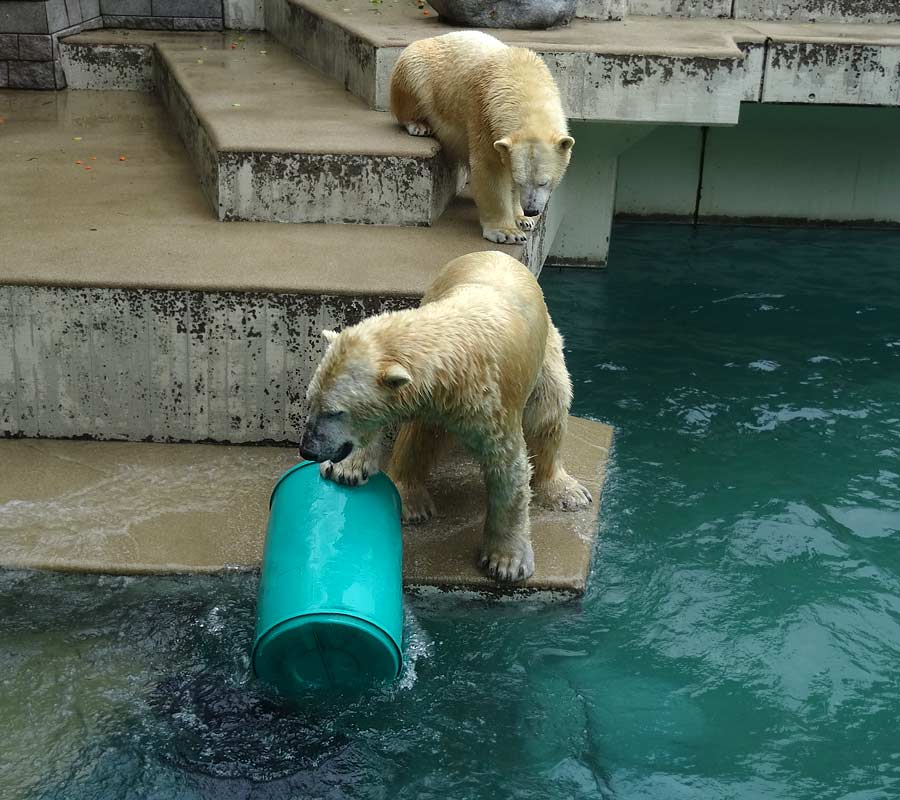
point(504, 235)
point(355, 470)
point(418, 129)
point(562, 493)
point(508, 562)
point(416, 502)
point(526, 223)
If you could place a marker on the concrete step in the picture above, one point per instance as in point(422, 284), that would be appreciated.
point(271, 138)
point(128, 312)
point(128, 508)
point(640, 69)
point(843, 11)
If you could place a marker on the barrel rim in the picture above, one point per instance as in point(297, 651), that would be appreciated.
point(303, 464)
point(356, 620)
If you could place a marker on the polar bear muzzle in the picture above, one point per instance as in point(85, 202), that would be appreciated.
point(324, 441)
point(534, 198)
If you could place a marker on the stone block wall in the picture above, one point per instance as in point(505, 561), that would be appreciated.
point(168, 15)
point(29, 34)
point(30, 30)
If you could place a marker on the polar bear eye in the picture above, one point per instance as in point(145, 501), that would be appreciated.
point(542, 184)
point(333, 414)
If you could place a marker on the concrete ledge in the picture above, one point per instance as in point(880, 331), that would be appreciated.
point(640, 69)
point(133, 314)
point(844, 11)
point(832, 72)
point(601, 9)
point(115, 66)
point(272, 140)
point(144, 508)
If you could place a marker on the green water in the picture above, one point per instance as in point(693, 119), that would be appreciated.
point(740, 637)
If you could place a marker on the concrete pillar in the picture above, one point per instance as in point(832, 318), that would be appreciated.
point(586, 198)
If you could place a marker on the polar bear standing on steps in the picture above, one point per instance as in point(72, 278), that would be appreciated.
point(494, 108)
point(479, 359)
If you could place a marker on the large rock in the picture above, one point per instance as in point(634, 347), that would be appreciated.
point(506, 13)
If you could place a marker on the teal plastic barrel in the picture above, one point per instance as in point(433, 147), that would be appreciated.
point(330, 604)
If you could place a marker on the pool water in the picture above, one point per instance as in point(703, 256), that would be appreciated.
point(740, 637)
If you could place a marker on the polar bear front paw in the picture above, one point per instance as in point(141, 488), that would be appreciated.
point(418, 129)
point(416, 502)
point(526, 223)
point(562, 493)
point(504, 235)
point(355, 470)
point(508, 562)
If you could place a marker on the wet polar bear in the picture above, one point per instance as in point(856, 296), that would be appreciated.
point(479, 359)
point(494, 108)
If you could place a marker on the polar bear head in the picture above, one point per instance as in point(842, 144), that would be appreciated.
point(356, 390)
point(537, 166)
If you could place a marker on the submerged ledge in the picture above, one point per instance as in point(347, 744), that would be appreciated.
point(142, 508)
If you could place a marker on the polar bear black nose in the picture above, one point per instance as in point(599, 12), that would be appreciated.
point(344, 451)
point(306, 452)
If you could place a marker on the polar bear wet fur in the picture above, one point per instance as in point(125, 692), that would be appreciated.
point(479, 360)
point(494, 108)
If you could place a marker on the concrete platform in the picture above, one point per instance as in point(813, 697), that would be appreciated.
point(143, 223)
point(146, 508)
point(128, 312)
point(272, 139)
point(640, 69)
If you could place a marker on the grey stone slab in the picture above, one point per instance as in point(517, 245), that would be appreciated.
point(73, 10)
point(244, 14)
point(9, 406)
point(163, 365)
point(9, 46)
point(21, 16)
point(322, 187)
point(32, 75)
point(4, 74)
point(330, 48)
point(57, 16)
point(81, 26)
point(24, 351)
point(680, 8)
point(108, 67)
point(187, 8)
point(59, 74)
point(126, 7)
point(532, 14)
point(168, 364)
point(602, 9)
point(90, 9)
point(120, 381)
point(62, 335)
point(853, 11)
point(140, 23)
point(198, 23)
point(35, 47)
point(832, 73)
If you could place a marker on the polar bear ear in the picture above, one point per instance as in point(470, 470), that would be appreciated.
point(329, 336)
point(565, 143)
point(503, 146)
point(395, 376)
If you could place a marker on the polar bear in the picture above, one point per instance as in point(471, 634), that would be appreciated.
point(494, 108)
point(479, 360)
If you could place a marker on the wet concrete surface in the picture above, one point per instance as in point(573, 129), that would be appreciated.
point(144, 223)
point(130, 508)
